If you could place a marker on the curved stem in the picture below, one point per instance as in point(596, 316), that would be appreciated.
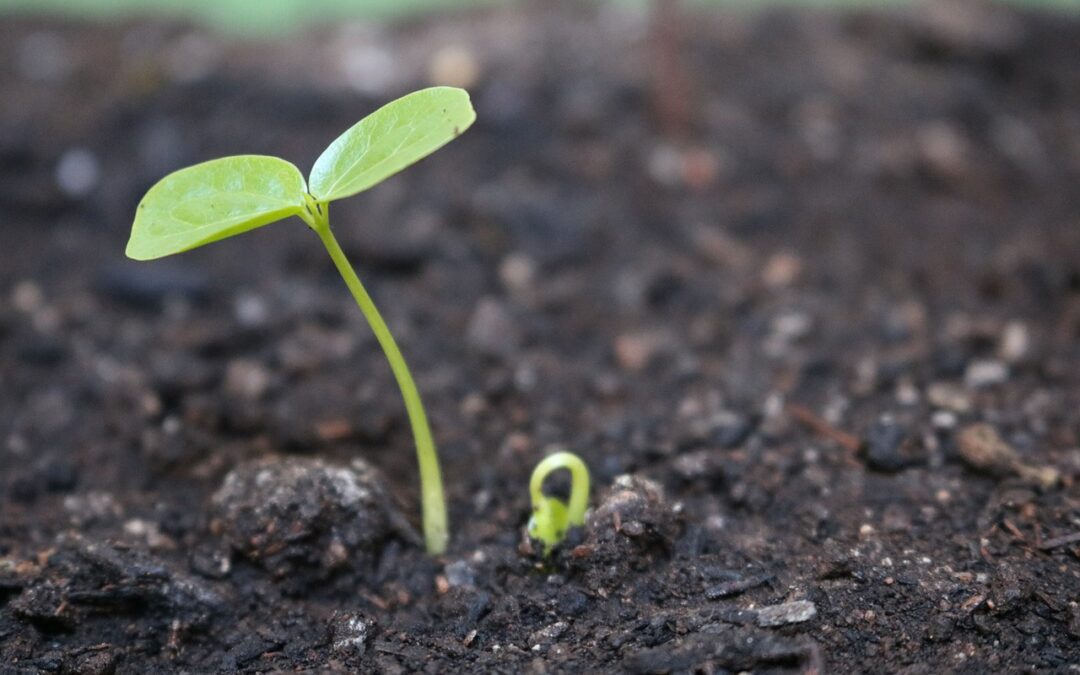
point(431, 489)
point(579, 483)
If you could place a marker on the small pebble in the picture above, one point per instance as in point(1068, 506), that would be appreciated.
point(1015, 342)
point(78, 172)
point(907, 394)
point(786, 613)
point(349, 634)
point(548, 634)
point(981, 374)
point(149, 532)
point(940, 628)
point(948, 396)
point(250, 310)
point(781, 270)
point(633, 351)
point(93, 507)
point(27, 297)
point(943, 149)
point(460, 573)
point(211, 563)
point(732, 429)
point(886, 446)
point(246, 379)
point(700, 167)
point(517, 272)
point(791, 326)
point(492, 330)
point(665, 165)
point(943, 420)
point(572, 601)
point(454, 66)
point(100, 661)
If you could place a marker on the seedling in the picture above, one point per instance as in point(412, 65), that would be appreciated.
point(224, 197)
point(551, 516)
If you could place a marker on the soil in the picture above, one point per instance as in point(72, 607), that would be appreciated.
point(815, 329)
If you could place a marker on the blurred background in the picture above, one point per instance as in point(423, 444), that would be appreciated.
point(668, 189)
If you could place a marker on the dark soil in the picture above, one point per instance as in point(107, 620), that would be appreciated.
point(811, 280)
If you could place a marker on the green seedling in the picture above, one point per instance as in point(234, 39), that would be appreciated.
point(551, 517)
point(224, 197)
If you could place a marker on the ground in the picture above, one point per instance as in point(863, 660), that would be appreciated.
point(803, 289)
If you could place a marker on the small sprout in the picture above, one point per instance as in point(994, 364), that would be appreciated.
point(551, 517)
point(224, 197)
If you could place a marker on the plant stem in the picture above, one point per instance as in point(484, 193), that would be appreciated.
point(431, 489)
point(579, 483)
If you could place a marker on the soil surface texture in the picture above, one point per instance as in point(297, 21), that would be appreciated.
point(802, 288)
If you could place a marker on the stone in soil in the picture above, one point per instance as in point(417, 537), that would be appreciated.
point(889, 446)
point(349, 633)
point(305, 514)
point(788, 612)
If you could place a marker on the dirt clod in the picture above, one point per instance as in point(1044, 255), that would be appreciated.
point(632, 528)
point(634, 508)
point(292, 514)
point(83, 577)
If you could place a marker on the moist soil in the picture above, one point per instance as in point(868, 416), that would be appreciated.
point(802, 288)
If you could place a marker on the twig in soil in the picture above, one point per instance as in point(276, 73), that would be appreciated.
point(671, 87)
point(1048, 601)
point(730, 588)
point(1020, 537)
point(1014, 530)
point(1064, 540)
point(811, 421)
point(973, 602)
point(384, 648)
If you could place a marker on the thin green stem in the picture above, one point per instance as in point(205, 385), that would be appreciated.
point(431, 489)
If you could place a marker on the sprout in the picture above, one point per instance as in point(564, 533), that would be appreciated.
point(551, 517)
point(224, 197)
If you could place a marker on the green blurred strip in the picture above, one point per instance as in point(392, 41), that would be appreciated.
point(275, 16)
point(243, 16)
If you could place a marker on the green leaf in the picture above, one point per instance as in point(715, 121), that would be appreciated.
point(388, 140)
point(214, 200)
